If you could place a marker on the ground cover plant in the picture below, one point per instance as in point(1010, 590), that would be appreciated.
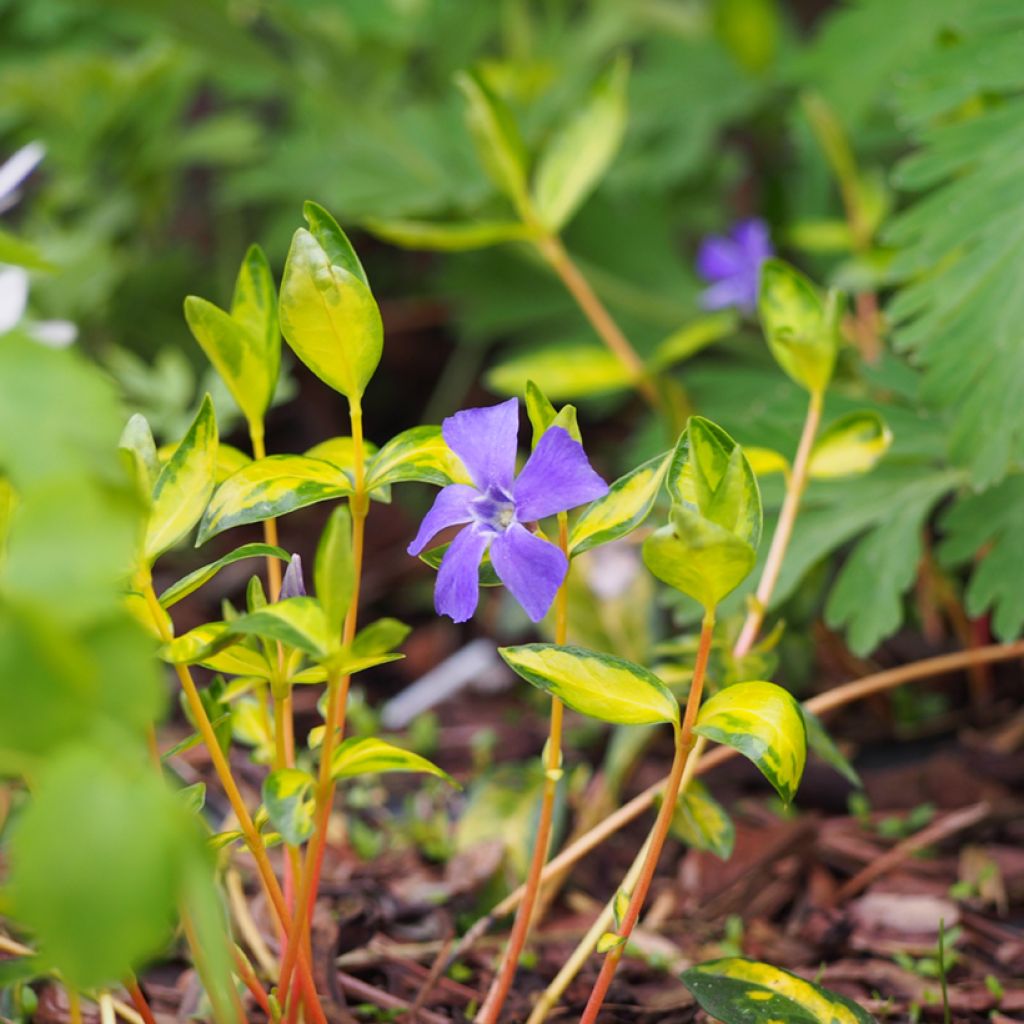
point(694, 502)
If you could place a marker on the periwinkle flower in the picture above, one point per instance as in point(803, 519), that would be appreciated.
point(557, 477)
point(293, 584)
point(732, 265)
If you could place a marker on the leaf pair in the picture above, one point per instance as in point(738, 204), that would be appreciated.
point(567, 170)
point(709, 546)
point(574, 160)
point(288, 793)
point(760, 720)
point(801, 328)
point(244, 345)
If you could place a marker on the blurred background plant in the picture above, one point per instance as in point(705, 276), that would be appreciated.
point(176, 132)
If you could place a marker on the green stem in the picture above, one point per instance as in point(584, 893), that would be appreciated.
point(784, 530)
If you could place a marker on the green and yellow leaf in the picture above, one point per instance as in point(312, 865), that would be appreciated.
point(702, 822)
point(288, 798)
point(763, 722)
point(851, 445)
point(419, 454)
point(599, 685)
point(563, 372)
point(199, 644)
point(365, 756)
point(297, 622)
point(271, 487)
point(626, 505)
point(735, 990)
point(194, 580)
point(328, 315)
point(184, 486)
point(448, 237)
point(801, 329)
point(578, 155)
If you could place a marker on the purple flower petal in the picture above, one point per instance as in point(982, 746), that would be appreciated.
point(458, 578)
point(739, 291)
point(486, 440)
point(556, 478)
point(293, 585)
point(451, 506)
point(530, 567)
point(754, 239)
point(719, 257)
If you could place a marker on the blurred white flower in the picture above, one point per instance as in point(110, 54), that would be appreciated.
point(14, 280)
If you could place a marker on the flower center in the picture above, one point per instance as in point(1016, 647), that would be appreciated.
point(494, 508)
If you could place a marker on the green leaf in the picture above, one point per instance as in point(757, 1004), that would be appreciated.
point(823, 745)
point(626, 505)
point(763, 722)
point(288, 798)
point(254, 304)
point(271, 487)
point(543, 415)
point(380, 637)
point(703, 823)
point(199, 644)
point(368, 755)
point(851, 445)
point(766, 461)
point(495, 135)
point(691, 339)
point(710, 474)
point(194, 580)
point(418, 454)
point(137, 441)
point(801, 329)
point(184, 485)
point(100, 906)
point(442, 237)
point(244, 345)
point(334, 572)
point(599, 685)
point(735, 990)
point(297, 622)
point(698, 557)
point(562, 371)
point(576, 158)
point(328, 315)
point(609, 941)
point(960, 306)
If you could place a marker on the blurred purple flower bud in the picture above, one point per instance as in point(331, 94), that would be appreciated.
point(293, 585)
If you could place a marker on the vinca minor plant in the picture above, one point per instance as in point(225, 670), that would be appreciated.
point(519, 529)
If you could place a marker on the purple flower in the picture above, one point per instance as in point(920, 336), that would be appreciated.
point(732, 265)
point(293, 585)
point(556, 478)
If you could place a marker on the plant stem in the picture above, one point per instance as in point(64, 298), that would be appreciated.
point(554, 252)
point(498, 993)
point(684, 744)
point(784, 530)
point(251, 834)
point(74, 1006)
point(139, 1001)
point(259, 451)
point(337, 698)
